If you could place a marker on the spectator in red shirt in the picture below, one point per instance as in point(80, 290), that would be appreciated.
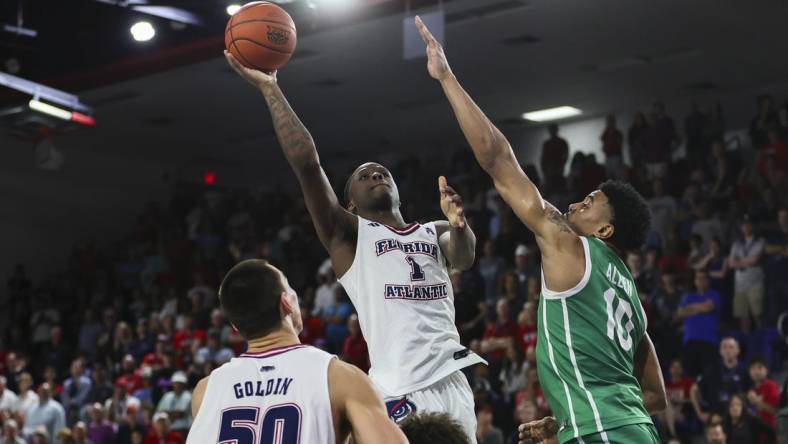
point(765, 393)
point(526, 323)
point(354, 350)
point(160, 432)
point(677, 416)
point(130, 377)
point(182, 342)
point(499, 334)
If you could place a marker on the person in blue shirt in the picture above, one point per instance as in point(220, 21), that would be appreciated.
point(700, 312)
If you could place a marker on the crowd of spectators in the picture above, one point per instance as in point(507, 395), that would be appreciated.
point(108, 349)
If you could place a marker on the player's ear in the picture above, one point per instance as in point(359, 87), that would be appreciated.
point(351, 207)
point(605, 231)
point(284, 304)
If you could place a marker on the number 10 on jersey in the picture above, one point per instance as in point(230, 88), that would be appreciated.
point(617, 326)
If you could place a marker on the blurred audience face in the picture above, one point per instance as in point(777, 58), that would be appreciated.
point(634, 262)
point(137, 437)
point(161, 426)
point(44, 392)
point(56, 334)
point(489, 248)
point(735, 407)
point(758, 372)
point(25, 382)
point(526, 412)
point(729, 350)
point(676, 370)
point(701, 281)
point(77, 368)
point(80, 431)
point(502, 310)
point(747, 228)
point(484, 418)
point(10, 430)
point(716, 435)
point(668, 281)
point(97, 413)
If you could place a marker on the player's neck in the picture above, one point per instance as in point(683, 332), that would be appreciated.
point(392, 217)
point(279, 338)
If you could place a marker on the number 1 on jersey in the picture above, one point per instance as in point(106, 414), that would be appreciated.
point(416, 273)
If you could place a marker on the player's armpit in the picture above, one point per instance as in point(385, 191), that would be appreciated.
point(197, 395)
point(649, 375)
point(359, 405)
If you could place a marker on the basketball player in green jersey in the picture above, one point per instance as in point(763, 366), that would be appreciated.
point(596, 364)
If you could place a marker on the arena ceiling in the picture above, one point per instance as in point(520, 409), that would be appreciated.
point(352, 88)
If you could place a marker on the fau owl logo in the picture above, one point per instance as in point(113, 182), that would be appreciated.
point(400, 408)
point(278, 36)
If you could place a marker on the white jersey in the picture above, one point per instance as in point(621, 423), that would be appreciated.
point(278, 396)
point(400, 287)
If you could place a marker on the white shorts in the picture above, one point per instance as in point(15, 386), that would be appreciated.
point(452, 395)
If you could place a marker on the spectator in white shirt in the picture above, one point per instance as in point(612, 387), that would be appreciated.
point(75, 390)
point(748, 280)
point(27, 397)
point(324, 296)
point(8, 399)
point(178, 404)
point(48, 414)
point(663, 211)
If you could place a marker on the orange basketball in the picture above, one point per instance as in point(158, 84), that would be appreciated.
point(261, 35)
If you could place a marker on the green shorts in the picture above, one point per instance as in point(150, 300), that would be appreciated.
point(644, 433)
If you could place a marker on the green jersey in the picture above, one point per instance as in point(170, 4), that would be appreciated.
point(586, 347)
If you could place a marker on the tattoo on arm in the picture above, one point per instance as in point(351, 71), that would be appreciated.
point(558, 219)
point(293, 136)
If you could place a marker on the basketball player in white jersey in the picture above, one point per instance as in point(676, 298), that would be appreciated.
point(394, 272)
point(281, 391)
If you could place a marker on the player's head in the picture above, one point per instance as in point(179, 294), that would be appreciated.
point(371, 188)
point(433, 428)
point(615, 213)
point(257, 300)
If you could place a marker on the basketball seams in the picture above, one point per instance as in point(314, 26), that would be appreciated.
point(259, 44)
point(238, 51)
point(292, 27)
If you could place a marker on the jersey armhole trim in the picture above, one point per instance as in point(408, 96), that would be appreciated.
point(550, 294)
point(203, 407)
point(350, 272)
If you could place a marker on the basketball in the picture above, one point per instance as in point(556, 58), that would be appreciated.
point(261, 35)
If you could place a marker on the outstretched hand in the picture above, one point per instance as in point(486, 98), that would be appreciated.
point(437, 65)
point(257, 78)
point(451, 204)
point(535, 432)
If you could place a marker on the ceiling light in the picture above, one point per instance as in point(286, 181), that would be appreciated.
point(49, 109)
point(544, 115)
point(142, 31)
point(233, 8)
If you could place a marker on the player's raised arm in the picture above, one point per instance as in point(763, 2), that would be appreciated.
point(354, 399)
point(493, 151)
point(455, 236)
point(650, 377)
point(333, 223)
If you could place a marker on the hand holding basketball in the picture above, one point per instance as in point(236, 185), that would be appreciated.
point(451, 204)
point(257, 78)
point(437, 65)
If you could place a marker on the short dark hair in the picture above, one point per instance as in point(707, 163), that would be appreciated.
point(629, 215)
point(433, 428)
point(249, 296)
point(758, 360)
